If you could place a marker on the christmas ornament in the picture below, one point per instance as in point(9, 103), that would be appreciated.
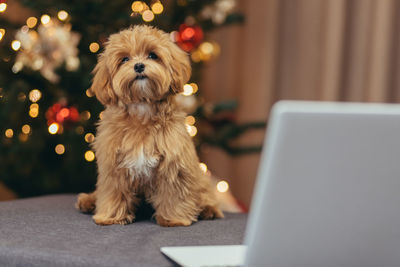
point(47, 48)
point(218, 11)
point(189, 37)
point(61, 114)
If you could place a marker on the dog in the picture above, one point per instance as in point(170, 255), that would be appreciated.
point(142, 147)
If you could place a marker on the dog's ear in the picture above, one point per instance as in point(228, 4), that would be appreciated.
point(101, 85)
point(180, 68)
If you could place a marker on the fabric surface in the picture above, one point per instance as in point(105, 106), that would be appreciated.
point(48, 231)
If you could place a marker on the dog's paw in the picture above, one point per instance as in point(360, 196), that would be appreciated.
point(85, 203)
point(101, 220)
point(171, 223)
point(210, 212)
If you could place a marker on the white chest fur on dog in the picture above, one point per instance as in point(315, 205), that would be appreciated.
point(141, 165)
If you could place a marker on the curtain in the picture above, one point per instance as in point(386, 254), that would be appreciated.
point(333, 50)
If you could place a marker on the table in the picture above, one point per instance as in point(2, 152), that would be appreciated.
point(48, 231)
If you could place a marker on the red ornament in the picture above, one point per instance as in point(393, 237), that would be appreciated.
point(60, 114)
point(189, 37)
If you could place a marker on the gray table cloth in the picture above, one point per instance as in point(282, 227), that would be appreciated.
point(48, 231)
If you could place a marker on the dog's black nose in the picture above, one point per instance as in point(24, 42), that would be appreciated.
point(139, 67)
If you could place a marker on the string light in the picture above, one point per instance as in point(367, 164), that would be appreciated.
point(187, 90)
point(89, 137)
point(85, 115)
point(157, 8)
point(89, 93)
point(3, 7)
point(222, 186)
point(195, 87)
point(34, 110)
point(190, 120)
point(2, 33)
point(137, 6)
point(148, 15)
point(53, 128)
point(62, 15)
point(60, 149)
point(192, 130)
point(45, 19)
point(31, 22)
point(35, 95)
point(203, 167)
point(89, 155)
point(9, 133)
point(26, 129)
point(94, 47)
point(15, 45)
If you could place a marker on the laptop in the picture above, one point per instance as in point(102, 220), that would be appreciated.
point(327, 191)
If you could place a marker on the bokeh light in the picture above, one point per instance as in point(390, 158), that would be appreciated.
point(15, 45)
point(222, 186)
point(35, 95)
point(45, 19)
point(89, 155)
point(9, 133)
point(53, 128)
point(31, 22)
point(62, 15)
point(94, 47)
point(148, 15)
point(60, 149)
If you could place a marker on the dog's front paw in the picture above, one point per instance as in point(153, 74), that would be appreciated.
point(211, 212)
point(85, 203)
point(102, 220)
point(171, 223)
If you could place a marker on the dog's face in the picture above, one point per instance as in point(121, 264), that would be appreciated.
point(140, 64)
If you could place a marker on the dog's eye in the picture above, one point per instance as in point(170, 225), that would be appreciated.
point(153, 55)
point(125, 59)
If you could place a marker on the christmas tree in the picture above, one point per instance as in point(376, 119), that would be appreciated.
point(47, 112)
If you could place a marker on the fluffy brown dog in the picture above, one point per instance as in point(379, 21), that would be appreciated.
point(142, 147)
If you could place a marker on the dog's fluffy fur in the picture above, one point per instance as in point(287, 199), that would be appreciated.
point(142, 147)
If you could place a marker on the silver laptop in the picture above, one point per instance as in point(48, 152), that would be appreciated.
point(328, 187)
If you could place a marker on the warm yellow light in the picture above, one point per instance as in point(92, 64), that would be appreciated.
point(203, 167)
point(94, 47)
point(89, 155)
point(45, 19)
point(60, 149)
point(206, 48)
point(26, 129)
point(53, 128)
point(89, 137)
point(190, 120)
point(195, 87)
point(196, 56)
point(192, 130)
point(2, 33)
point(9, 133)
point(33, 113)
point(89, 93)
point(85, 115)
point(31, 22)
point(148, 16)
point(157, 8)
point(101, 115)
point(137, 6)
point(187, 90)
point(34, 110)
point(62, 15)
point(3, 7)
point(35, 95)
point(16, 45)
point(222, 186)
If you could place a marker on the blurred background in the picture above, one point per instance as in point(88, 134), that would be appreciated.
point(246, 55)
